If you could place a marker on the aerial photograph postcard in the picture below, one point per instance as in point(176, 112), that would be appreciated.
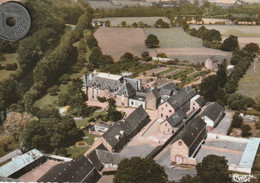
point(130, 91)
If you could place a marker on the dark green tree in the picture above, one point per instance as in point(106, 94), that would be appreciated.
point(230, 44)
point(208, 87)
point(237, 120)
point(213, 169)
point(246, 130)
point(152, 41)
point(140, 170)
point(222, 74)
point(146, 56)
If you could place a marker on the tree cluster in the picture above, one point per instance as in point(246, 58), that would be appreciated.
point(213, 169)
point(140, 170)
point(50, 132)
point(161, 24)
point(152, 41)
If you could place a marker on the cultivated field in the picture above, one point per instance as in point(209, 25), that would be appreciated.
point(249, 84)
point(130, 20)
point(246, 33)
point(116, 4)
point(174, 42)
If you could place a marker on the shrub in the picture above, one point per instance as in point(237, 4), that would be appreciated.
point(237, 121)
point(11, 66)
point(102, 99)
point(246, 130)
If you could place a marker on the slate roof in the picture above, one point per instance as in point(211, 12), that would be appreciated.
point(167, 89)
point(73, 171)
point(95, 161)
point(102, 80)
point(110, 135)
point(108, 157)
point(131, 123)
point(156, 93)
point(176, 118)
point(182, 97)
point(201, 101)
point(191, 131)
point(212, 111)
point(126, 90)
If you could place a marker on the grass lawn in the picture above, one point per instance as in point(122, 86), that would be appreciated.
point(84, 122)
point(174, 38)
point(167, 71)
point(90, 138)
point(249, 84)
point(76, 152)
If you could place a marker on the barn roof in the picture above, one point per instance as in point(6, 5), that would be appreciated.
point(20, 162)
point(213, 111)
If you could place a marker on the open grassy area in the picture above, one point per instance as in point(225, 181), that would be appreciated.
point(76, 152)
point(249, 84)
point(10, 59)
point(90, 138)
point(174, 38)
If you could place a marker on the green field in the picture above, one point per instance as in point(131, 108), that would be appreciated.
point(249, 84)
point(130, 20)
point(174, 38)
point(182, 73)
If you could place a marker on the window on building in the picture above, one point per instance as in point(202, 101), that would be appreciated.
point(166, 116)
point(161, 115)
point(165, 124)
point(180, 143)
point(132, 103)
point(170, 110)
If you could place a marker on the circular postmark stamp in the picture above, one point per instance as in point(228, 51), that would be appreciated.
point(15, 21)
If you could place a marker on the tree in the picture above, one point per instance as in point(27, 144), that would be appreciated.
point(146, 56)
point(162, 55)
point(212, 35)
point(112, 113)
point(140, 170)
point(123, 23)
point(152, 41)
point(239, 102)
point(208, 87)
point(91, 41)
point(213, 169)
point(246, 130)
point(222, 74)
point(135, 25)
point(107, 23)
point(251, 47)
point(237, 120)
point(230, 44)
point(257, 104)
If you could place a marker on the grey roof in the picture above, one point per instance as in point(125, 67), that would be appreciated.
point(95, 161)
point(167, 89)
point(138, 117)
point(114, 83)
point(191, 131)
point(20, 162)
point(213, 111)
point(108, 157)
point(156, 93)
point(126, 90)
point(110, 135)
point(176, 118)
point(74, 171)
point(201, 101)
point(182, 97)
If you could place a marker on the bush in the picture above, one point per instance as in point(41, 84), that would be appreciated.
point(246, 130)
point(257, 125)
point(53, 90)
point(102, 99)
point(237, 121)
point(11, 66)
